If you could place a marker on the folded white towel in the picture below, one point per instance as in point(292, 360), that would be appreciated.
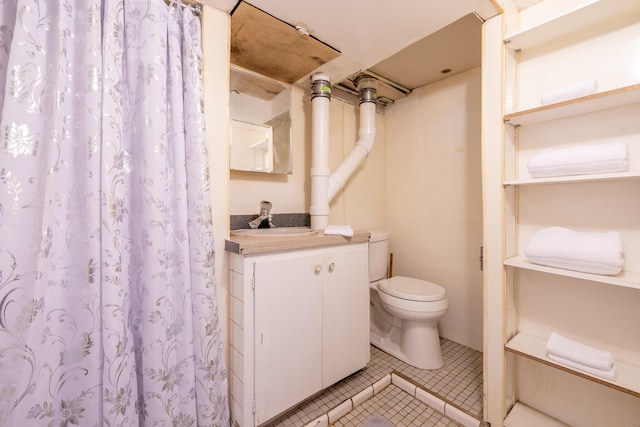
point(575, 90)
point(580, 160)
point(577, 352)
point(596, 253)
point(610, 374)
point(340, 230)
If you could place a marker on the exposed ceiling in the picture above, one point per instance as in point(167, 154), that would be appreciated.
point(449, 51)
point(409, 42)
point(290, 53)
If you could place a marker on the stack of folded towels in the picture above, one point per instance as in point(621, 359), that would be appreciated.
point(582, 357)
point(580, 160)
point(587, 252)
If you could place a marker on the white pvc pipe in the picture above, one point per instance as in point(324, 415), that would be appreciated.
point(320, 171)
point(325, 185)
point(360, 151)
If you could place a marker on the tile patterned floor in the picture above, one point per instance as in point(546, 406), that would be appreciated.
point(458, 382)
point(397, 407)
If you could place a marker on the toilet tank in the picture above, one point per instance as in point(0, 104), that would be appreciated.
point(378, 255)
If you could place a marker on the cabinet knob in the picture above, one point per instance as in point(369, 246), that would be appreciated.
point(318, 268)
point(332, 266)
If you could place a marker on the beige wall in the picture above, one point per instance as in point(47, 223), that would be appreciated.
point(494, 383)
point(434, 196)
point(215, 37)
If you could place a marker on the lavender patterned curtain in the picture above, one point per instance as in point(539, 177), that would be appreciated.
point(108, 310)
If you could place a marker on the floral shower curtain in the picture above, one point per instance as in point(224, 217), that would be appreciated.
point(108, 310)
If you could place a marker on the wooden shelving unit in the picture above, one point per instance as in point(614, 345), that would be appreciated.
point(551, 120)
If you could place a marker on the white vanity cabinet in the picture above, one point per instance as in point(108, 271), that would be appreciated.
point(288, 331)
point(299, 323)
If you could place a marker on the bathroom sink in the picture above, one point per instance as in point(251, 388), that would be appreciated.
point(274, 232)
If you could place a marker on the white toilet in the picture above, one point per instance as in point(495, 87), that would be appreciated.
point(404, 311)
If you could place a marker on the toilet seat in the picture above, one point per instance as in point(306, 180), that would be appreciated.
point(412, 289)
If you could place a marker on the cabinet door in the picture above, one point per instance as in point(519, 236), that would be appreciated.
point(288, 333)
point(345, 298)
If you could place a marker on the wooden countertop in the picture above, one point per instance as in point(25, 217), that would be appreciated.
point(246, 245)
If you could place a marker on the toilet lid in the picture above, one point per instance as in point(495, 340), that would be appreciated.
point(412, 289)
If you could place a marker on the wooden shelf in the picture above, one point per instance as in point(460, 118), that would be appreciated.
point(534, 348)
point(624, 279)
point(523, 415)
point(620, 97)
point(619, 176)
point(588, 13)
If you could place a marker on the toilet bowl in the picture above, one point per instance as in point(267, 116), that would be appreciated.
point(404, 312)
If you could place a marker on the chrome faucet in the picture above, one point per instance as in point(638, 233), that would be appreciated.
point(265, 215)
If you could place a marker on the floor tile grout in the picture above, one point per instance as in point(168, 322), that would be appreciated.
point(458, 382)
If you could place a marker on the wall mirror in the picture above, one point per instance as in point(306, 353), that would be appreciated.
point(260, 123)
